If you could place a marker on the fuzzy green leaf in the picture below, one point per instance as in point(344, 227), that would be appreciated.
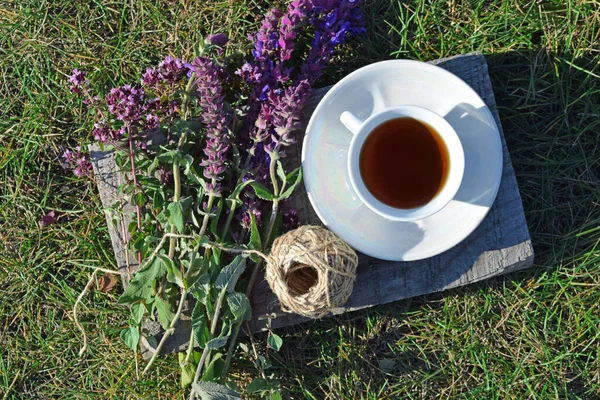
point(173, 273)
point(255, 240)
point(169, 156)
point(239, 306)
point(165, 315)
point(187, 371)
point(217, 343)
point(196, 270)
point(186, 202)
point(176, 215)
point(258, 385)
point(137, 312)
point(281, 172)
point(131, 337)
point(209, 373)
point(199, 326)
point(293, 179)
point(140, 286)
point(262, 191)
point(214, 391)
point(274, 341)
point(201, 288)
point(229, 275)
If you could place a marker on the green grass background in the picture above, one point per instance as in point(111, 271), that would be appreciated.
point(533, 334)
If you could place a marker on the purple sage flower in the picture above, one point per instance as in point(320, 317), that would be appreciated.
point(216, 119)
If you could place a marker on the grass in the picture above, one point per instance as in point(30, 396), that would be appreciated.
point(532, 334)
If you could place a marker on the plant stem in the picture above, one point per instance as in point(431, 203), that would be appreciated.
point(209, 204)
point(190, 349)
point(257, 267)
point(229, 219)
point(176, 195)
point(177, 190)
point(134, 173)
point(213, 328)
point(184, 293)
point(176, 172)
point(272, 165)
point(168, 332)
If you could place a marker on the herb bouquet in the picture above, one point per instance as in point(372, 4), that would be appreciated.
point(202, 143)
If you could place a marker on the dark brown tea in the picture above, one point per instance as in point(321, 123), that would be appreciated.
point(404, 163)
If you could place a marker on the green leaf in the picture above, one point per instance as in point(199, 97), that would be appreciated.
point(165, 315)
point(214, 223)
point(293, 179)
point(169, 156)
point(197, 179)
point(186, 202)
point(239, 306)
point(209, 374)
point(158, 201)
point(131, 337)
point(152, 167)
point(199, 325)
point(217, 343)
point(258, 385)
point(139, 199)
point(281, 172)
point(140, 286)
point(162, 219)
point(137, 312)
point(274, 341)
point(138, 243)
point(229, 275)
point(255, 240)
point(196, 270)
point(176, 215)
point(235, 195)
point(275, 396)
point(186, 162)
point(201, 288)
point(262, 191)
point(173, 273)
point(188, 371)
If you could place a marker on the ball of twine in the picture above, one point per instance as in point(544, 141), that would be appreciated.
point(311, 271)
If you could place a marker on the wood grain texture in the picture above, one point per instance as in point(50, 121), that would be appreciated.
point(501, 243)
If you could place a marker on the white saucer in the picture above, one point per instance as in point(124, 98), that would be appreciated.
point(325, 150)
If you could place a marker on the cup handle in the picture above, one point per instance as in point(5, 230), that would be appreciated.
point(351, 122)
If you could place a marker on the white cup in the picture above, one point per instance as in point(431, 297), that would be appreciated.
point(362, 130)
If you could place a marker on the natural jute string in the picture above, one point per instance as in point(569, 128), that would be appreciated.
point(311, 271)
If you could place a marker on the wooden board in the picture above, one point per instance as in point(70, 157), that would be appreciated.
point(501, 244)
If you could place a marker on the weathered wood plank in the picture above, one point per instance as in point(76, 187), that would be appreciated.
point(501, 244)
